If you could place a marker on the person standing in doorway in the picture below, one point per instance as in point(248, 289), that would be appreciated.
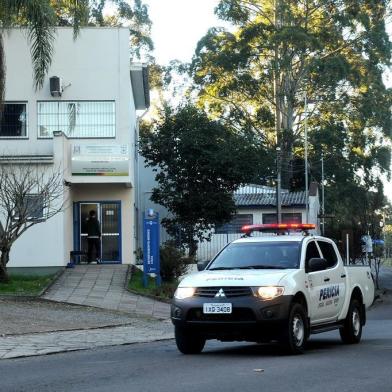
point(93, 237)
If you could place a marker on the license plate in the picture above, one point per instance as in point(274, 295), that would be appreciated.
point(225, 308)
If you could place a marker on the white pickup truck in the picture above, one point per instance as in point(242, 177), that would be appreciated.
point(272, 287)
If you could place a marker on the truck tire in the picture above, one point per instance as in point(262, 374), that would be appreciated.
point(188, 342)
point(296, 332)
point(351, 332)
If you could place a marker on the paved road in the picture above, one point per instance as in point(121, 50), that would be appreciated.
point(327, 366)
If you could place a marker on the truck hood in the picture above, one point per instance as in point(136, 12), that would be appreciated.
point(234, 278)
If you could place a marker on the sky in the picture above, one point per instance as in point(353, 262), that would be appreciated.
point(179, 24)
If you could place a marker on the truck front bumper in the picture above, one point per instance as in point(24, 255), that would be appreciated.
point(251, 319)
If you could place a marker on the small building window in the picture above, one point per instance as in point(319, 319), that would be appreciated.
point(30, 208)
point(77, 119)
point(234, 226)
point(13, 120)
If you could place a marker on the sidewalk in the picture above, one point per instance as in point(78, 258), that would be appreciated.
point(109, 315)
point(62, 341)
point(103, 286)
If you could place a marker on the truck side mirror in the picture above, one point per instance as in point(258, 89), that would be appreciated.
point(317, 264)
point(201, 265)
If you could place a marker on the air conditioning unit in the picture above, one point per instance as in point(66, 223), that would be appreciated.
point(56, 86)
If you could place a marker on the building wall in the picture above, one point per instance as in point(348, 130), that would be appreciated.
point(96, 65)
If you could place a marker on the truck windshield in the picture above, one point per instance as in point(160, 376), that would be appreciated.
point(261, 255)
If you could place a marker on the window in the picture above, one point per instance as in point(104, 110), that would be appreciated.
point(234, 226)
point(287, 217)
point(13, 122)
point(311, 252)
point(329, 253)
point(31, 208)
point(273, 255)
point(78, 119)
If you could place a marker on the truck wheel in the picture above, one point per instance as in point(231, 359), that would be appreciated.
point(189, 342)
point(296, 332)
point(352, 330)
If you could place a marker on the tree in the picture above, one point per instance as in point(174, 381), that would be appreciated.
point(334, 52)
point(199, 164)
point(28, 196)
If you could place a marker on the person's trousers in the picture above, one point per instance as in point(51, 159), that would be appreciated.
point(93, 244)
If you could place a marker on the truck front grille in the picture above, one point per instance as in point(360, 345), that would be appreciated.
point(229, 292)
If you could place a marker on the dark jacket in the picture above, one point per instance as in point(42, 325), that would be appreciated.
point(93, 227)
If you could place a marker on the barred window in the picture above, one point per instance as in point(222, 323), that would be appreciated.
point(77, 119)
point(13, 120)
point(287, 217)
point(234, 226)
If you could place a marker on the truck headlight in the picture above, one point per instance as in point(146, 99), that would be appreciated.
point(268, 292)
point(184, 292)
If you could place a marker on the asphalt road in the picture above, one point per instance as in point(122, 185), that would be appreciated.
point(327, 366)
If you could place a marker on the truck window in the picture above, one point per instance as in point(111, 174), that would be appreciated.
point(328, 253)
point(311, 252)
point(258, 255)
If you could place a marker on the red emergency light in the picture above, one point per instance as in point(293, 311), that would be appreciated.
point(272, 227)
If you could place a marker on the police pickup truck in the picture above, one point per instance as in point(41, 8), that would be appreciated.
point(277, 286)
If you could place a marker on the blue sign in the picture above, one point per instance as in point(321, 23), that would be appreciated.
point(151, 262)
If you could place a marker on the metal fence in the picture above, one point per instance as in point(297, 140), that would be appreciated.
point(208, 249)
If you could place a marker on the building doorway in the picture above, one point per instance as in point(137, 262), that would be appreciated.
point(109, 216)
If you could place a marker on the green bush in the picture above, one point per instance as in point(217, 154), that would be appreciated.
point(174, 262)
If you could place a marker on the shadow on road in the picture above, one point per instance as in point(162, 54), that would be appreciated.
point(269, 349)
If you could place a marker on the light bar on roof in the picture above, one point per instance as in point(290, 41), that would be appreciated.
point(247, 229)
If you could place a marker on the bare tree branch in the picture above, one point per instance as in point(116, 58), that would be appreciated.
point(29, 194)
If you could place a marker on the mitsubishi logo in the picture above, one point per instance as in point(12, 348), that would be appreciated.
point(220, 293)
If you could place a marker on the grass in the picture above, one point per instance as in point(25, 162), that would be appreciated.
point(165, 291)
point(388, 262)
point(25, 285)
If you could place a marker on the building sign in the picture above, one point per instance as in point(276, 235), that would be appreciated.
point(100, 160)
point(151, 262)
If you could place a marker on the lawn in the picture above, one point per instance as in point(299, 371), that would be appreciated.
point(388, 262)
point(25, 285)
point(164, 292)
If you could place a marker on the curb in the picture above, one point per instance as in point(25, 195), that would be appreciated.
point(66, 330)
point(53, 281)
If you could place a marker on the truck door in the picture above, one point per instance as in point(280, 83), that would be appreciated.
point(315, 284)
point(334, 277)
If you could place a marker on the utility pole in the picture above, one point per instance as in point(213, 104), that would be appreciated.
point(306, 160)
point(278, 186)
point(323, 196)
point(277, 22)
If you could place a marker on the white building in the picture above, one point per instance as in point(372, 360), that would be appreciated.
point(257, 205)
point(84, 123)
